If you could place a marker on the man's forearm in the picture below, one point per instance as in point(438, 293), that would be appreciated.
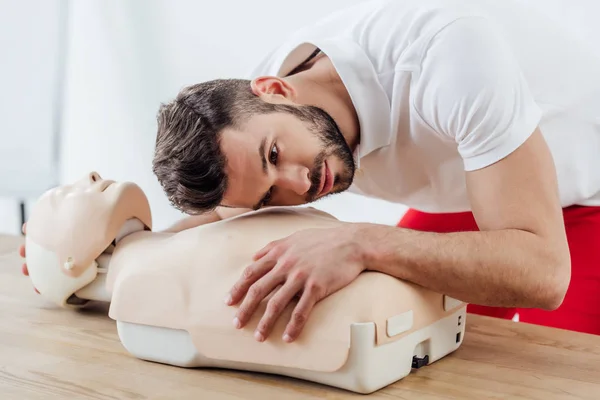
point(505, 268)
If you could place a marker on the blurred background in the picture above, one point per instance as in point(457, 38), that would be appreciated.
point(81, 81)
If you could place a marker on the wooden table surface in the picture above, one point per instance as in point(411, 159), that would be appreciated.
point(51, 353)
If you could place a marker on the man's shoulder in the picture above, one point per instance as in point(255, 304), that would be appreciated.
point(334, 24)
point(352, 23)
point(376, 26)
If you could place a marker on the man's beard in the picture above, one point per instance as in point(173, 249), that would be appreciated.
point(333, 144)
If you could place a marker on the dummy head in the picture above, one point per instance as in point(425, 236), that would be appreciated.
point(248, 144)
point(72, 225)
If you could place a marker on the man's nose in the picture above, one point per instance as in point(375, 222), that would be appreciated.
point(295, 178)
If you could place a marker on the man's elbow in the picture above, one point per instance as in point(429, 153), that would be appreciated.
point(557, 282)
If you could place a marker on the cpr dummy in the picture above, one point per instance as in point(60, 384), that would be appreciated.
point(93, 241)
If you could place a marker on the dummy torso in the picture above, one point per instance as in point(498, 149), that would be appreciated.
point(179, 281)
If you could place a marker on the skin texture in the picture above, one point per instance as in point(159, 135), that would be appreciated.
point(519, 258)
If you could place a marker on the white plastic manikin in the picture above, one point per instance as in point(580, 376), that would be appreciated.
point(93, 241)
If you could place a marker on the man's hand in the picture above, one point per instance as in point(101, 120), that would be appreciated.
point(22, 253)
point(310, 264)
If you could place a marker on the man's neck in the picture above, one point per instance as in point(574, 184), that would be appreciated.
point(321, 86)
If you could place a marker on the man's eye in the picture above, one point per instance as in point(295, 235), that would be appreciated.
point(273, 155)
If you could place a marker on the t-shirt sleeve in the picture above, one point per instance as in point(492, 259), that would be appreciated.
point(470, 89)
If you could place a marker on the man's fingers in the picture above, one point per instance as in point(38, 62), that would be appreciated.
point(275, 307)
point(256, 293)
point(22, 253)
point(251, 274)
point(301, 312)
point(262, 252)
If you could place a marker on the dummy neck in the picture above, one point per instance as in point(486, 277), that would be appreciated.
point(96, 290)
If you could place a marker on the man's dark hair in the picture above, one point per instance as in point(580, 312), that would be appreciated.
point(188, 160)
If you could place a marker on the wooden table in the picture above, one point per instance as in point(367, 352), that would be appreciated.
point(50, 353)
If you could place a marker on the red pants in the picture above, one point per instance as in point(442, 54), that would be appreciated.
point(580, 310)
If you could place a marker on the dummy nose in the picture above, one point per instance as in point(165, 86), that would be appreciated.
point(94, 177)
point(295, 178)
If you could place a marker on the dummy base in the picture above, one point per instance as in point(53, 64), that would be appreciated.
point(368, 368)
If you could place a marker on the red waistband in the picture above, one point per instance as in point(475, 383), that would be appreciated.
point(464, 221)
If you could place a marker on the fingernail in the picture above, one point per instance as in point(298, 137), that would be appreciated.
point(287, 338)
point(227, 299)
point(236, 322)
point(258, 336)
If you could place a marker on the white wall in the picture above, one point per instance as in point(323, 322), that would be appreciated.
point(580, 16)
point(30, 66)
point(125, 57)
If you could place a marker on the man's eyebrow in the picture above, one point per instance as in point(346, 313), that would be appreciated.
point(261, 153)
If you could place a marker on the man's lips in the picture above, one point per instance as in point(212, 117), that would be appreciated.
point(327, 180)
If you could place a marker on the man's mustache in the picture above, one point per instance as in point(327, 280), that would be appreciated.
point(315, 176)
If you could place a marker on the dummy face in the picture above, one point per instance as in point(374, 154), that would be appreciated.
point(285, 158)
point(87, 201)
point(79, 221)
point(91, 187)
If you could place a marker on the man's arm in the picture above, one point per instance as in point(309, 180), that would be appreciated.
point(520, 257)
point(213, 216)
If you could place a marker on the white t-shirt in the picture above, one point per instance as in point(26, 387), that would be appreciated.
point(442, 87)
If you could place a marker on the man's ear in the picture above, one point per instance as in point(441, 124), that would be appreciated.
point(273, 89)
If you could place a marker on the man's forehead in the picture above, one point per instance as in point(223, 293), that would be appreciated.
point(244, 168)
